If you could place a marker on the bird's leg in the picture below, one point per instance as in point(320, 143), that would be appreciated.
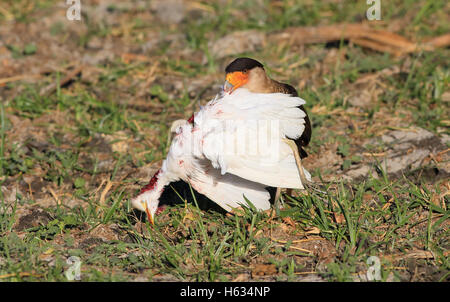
point(298, 160)
point(277, 200)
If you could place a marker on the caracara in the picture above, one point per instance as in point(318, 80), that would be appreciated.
point(249, 73)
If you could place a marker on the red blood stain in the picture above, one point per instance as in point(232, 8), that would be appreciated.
point(191, 119)
point(151, 185)
point(180, 162)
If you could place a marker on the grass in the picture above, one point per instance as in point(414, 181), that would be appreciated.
point(191, 244)
point(70, 161)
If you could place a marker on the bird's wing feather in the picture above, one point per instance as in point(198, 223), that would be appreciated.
point(225, 190)
point(243, 134)
point(243, 105)
point(228, 190)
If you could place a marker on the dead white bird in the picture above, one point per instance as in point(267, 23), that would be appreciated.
point(227, 190)
point(236, 147)
point(250, 74)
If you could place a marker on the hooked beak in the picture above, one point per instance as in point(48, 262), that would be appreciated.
point(235, 80)
point(227, 87)
point(149, 216)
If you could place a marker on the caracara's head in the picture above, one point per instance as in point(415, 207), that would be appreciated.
point(247, 73)
point(148, 199)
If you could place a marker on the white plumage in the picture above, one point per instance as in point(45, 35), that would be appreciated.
point(226, 190)
point(235, 148)
point(256, 123)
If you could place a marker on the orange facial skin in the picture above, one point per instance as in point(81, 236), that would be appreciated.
point(235, 80)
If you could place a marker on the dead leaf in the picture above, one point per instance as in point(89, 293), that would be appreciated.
point(263, 269)
point(285, 228)
point(435, 199)
point(237, 211)
point(339, 218)
point(313, 231)
point(289, 221)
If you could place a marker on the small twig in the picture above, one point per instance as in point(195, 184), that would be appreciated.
point(46, 91)
point(374, 154)
point(101, 184)
point(305, 273)
point(362, 34)
point(105, 191)
point(31, 191)
point(425, 220)
point(18, 78)
point(296, 241)
point(443, 152)
point(415, 255)
point(296, 248)
point(21, 274)
point(58, 202)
